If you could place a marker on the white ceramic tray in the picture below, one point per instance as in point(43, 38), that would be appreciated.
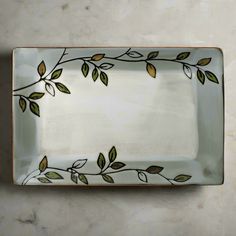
point(118, 116)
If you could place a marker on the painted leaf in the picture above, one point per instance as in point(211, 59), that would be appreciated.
point(42, 68)
point(22, 104)
point(85, 69)
point(212, 77)
point(183, 55)
point(50, 89)
point(53, 175)
point(44, 180)
point(108, 179)
point(182, 178)
point(134, 54)
point(74, 178)
point(43, 165)
point(79, 163)
point(97, 57)
point(112, 154)
point(117, 165)
point(187, 71)
point(36, 95)
point(62, 88)
point(34, 107)
point(152, 55)
point(56, 74)
point(154, 169)
point(151, 69)
point(201, 76)
point(106, 66)
point(142, 176)
point(204, 61)
point(95, 74)
point(83, 178)
point(101, 161)
point(104, 78)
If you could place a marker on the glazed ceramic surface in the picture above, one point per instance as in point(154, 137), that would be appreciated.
point(125, 116)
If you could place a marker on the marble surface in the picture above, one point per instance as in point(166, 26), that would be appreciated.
point(117, 211)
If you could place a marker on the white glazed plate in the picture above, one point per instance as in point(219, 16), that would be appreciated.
point(118, 116)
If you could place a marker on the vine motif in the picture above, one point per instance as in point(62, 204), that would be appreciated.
point(98, 71)
point(107, 167)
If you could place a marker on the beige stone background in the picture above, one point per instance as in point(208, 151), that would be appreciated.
point(70, 211)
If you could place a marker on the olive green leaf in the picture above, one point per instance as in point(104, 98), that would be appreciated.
point(117, 165)
point(83, 178)
point(142, 176)
point(79, 163)
point(85, 69)
point(101, 161)
point(44, 180)
point(56, 74)
point(108, 179)
point(104, 78)
point(43, 165)
point(36, 95)
point(212, 77)
point(112, 154)
point(62, 88)
point(182, 178)
point(134, 54)
point(201, 76)
point(95, 74)
point(151, 69)
point(22, 104)
point(53, 175)
point(34, 107)
point(187, 71)
point(97, 57)
point(74, 178)
point(42, 68)
point(106, 66)
point(50, 89)
point(154, 169)
point(183, 55)
point(152, 55)
point(204, 61)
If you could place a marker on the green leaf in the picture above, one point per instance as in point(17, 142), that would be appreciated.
point(154, 169)
point(34, 107)
point(62, 88)
point(182, 178)
point(101, 161)
point(85, 69)
point(142, 176)
point(112, 154)
point(97, 57)
point(108, 179)
point(204, 61)
point(152, 55)
point(201, 76)
point(187, 71)
point(134, 54)
point(183, 55)
point(104, 78)
point(56, 74)
point(44, 180)
point(22, 104)
point(42, 68)
point(74, 178)
point(43, 165)
point(50, 89)
point(212, 77)
point(53, 175)
point(36, 95)
point(151, 69)
point(83, 178)
point(95, 74)
point(117, 165)
point(106, 66)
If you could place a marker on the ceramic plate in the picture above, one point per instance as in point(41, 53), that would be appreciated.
point(118, 116)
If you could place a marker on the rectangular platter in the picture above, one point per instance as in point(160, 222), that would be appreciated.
point(118, 116)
